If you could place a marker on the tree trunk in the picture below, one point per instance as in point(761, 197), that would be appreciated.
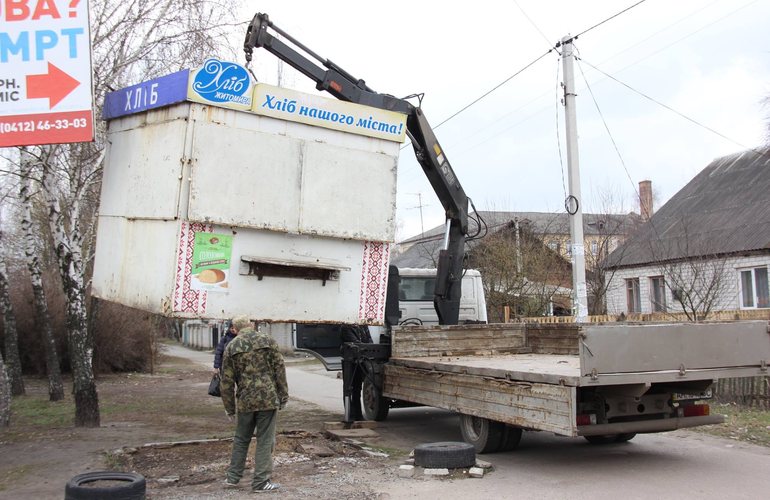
point(42, 318)
point(13, 362)
point(68, 246)
point(5, 396)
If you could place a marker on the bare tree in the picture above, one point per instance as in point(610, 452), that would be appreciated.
point(520, 270)
point(13, 363)
point(32, 249)
point(5, 396)
point(694, 273)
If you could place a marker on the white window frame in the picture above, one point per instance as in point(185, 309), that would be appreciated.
point(633, 293)
point(755, 298)
point(658, 283)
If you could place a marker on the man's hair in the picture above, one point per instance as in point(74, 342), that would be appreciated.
point(241, 322)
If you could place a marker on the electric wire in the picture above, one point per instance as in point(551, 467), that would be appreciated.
point(606, 127)
point(691, 120)
point(609, 18)
point(485, 94)
point(536, 27)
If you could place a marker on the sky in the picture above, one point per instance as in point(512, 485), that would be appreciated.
point(708, 60)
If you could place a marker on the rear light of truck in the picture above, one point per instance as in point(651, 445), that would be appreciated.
point(695, 410)
point(586, 419)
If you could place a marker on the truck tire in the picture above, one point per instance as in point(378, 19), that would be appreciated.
point(375, 406)
point(600, 440)
point(445, 455)
point(485, 435)
point(625, 437)
point(511, 438)
point(117, 486)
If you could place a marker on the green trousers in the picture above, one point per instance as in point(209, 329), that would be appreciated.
point(260, 424)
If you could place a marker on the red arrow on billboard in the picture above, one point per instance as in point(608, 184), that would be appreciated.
point(54, 85)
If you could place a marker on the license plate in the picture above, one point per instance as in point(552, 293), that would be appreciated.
point(707, 394)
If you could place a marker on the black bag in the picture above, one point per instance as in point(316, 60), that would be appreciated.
point(214, 387)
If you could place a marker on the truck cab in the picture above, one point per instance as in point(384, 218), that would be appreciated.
point(415, 297)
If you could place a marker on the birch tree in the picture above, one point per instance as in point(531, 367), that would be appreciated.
point(5, 396)
point(12, 360)
point(32, 247)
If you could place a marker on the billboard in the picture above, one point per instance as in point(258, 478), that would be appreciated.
point(45, 72)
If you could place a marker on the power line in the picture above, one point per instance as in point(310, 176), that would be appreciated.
point(495, 88)
point(536, 27)
point(607, 128)
point(609, 18)
point(691, 120)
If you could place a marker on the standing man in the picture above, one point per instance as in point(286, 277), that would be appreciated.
point(356, 334)
point(253, 373)
point(230, 333)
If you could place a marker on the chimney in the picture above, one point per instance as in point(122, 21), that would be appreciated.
point(645, 200)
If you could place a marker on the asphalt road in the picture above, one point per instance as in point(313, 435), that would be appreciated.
point(680, 464)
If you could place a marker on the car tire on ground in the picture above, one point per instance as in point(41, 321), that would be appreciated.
point(445, 455)
point(115, 486)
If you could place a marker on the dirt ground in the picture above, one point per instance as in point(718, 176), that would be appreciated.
point(143, 414)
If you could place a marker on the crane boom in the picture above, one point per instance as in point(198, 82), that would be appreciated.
point(331, 78)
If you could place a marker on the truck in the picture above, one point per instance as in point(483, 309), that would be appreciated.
point(604, 382)
point(415, 307)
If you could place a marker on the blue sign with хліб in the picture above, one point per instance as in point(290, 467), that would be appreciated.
point(151, 94)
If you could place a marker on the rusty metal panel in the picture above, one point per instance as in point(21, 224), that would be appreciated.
point(536, 406)
point(135, 262)
point(348, 193)
point(259, 172)
point(245, 177)
point(140, 163)
point(676, 351)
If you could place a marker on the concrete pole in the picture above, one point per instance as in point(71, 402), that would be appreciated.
point(574, 202)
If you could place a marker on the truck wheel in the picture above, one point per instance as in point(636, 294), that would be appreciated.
point(449, 455)
point(622, 438)
point(375, 406)
point(485, 435)
point(105, 485)
point(606, 439)
point(511, 438)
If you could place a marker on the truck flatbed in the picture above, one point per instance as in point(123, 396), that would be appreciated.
point(559, 369)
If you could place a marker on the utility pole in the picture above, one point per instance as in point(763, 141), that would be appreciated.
point(573, 203)
point(420, 205)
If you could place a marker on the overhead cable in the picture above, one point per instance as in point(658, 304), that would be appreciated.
point(691, 120)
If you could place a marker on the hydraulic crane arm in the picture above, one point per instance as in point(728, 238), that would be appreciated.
point(346, 87)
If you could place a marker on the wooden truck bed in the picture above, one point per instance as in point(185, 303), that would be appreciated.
point(529, 375)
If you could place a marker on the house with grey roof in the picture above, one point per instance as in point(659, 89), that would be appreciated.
point(707, 249)
point(525, 257)
point(599, 230)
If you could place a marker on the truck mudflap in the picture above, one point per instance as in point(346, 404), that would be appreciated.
point(648, 426)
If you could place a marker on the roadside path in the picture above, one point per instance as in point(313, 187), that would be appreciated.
point(310, 383)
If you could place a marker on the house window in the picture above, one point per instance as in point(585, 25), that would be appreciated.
point(553, 245)
point(658, 294)
point(754, 288)
point(594, 247)
point(633, 297)
point(569, 248)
